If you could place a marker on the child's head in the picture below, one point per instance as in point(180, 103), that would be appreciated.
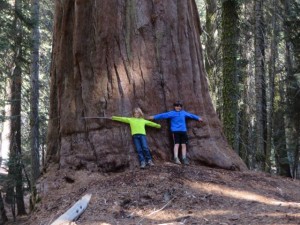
point(138, 113)
point(177, 106)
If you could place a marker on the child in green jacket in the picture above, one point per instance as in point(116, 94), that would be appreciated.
point(137, 124)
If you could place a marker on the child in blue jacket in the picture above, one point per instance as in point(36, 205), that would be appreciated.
point(178, 118)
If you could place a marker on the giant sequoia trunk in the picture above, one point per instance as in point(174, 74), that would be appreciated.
point(112, 55)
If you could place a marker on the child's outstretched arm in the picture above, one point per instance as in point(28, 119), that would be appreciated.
point(120, 119)
point(97, 117)
point(152, 124)
point(161, 116)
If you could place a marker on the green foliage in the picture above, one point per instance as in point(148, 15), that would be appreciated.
point(259, 157)
point(243, 89)
point(201, 9)
point(7, 48)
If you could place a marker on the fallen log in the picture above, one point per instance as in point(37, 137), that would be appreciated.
point(74, 212)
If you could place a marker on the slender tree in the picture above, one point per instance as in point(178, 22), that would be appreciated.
point(15, 188)
point(46, 11)
point(34, 116)
point(6, 66)
point(292, 117)
point(271, 83)
point(6, 125)
point(212, 58)
point(279, 134)
point(3, 216)
point(230, 79)
point(260, 88)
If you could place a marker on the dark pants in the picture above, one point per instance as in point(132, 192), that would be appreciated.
point(141, 146)
point(180, 137)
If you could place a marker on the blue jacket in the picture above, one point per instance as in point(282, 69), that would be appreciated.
point(177, 119)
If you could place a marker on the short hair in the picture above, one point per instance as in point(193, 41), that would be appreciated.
point(178, 103)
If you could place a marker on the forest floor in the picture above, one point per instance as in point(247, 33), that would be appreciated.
point(169, 194)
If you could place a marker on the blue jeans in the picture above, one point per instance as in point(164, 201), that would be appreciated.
point(141, 146)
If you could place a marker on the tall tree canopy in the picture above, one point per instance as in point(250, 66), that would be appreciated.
point(111, 56)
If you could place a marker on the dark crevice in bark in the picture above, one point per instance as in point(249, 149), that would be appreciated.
point(81, 82)
point(109, 75)
point(142, 76)
point(121, 91)
point(125, 63)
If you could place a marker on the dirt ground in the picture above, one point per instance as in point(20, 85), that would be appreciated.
point(169, 194)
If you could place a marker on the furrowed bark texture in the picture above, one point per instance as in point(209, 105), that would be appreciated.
point(110, 56)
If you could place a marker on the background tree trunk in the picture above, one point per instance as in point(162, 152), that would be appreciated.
point(110, 56)
point(247, 82)
point(280, 146)
point(6, 127)
point(34, 101)
point(15, 187)
point(212, 58)
point(230, 117)
point(260, 86)
point(3, 217)
point(292, 58)
point(271, 83)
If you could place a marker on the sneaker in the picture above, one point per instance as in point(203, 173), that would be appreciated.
point(185, 161)
point(177, 161)
point(150, 163)
point(143, 165)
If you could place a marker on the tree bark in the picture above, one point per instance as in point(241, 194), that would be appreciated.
point(230, 80)
point(292, 58)
point(15, 189)
point(3, 217)
point(113, 55)
point(34, 101)
point(6, 128)
point(271, 83)
point(279, 136)
point(260, 86)
point(247, 80)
